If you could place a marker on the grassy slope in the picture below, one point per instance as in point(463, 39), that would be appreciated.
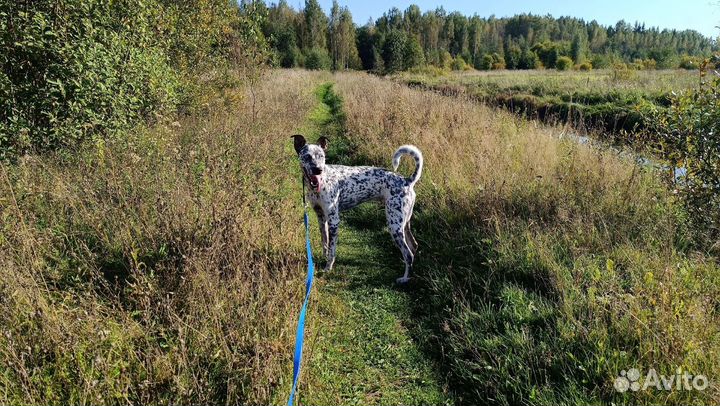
point(360, 350)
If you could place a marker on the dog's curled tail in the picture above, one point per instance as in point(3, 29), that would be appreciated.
point(414, 152)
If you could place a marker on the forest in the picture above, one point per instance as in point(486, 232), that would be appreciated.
point(402, 40)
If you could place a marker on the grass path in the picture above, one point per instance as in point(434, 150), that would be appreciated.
point(360, 348)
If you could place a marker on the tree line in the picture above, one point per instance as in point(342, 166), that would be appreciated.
point(401, 40)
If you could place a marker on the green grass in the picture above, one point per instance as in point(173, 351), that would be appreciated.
point(364, 351)
point(360, 349)
point(545, 267)
point(160, 266)
point(610, 103)
point(167, 265)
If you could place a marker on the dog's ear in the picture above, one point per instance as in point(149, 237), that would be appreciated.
point(323, 142)
point(299, 142)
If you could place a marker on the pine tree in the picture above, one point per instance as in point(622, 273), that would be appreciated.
point(316, 23)
point(578, 49)
point(414, 55)
point(394, 51)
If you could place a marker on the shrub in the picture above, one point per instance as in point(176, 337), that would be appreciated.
point(288, 53)
point(585, 66)
point(498, 61)
point(601, 61)
point(529, 60)
point(446, 60)
point(624, 72)
point(547, 52)
point(689, 62)
point(686, 137)
point(485, 63)
point(564, 63)
point(459, 64)
point(649, 64)
point(92, 67)
point(318, 59)
point(76, 71)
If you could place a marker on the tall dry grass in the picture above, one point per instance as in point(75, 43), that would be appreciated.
point(161, 266)
point(547, 267)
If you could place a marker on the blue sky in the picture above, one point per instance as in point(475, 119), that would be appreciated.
point(700, 15)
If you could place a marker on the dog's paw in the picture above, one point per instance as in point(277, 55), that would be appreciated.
point(402, 280)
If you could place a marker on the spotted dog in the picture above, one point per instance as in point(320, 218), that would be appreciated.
point(334, 188)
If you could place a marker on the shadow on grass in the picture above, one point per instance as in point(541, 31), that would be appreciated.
point(487, 321)
point(367, 257)
point(463, 315)
point(490, 330)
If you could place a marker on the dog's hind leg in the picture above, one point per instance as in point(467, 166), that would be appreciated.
point(396, 224)
point(322, 221)
point(410, 238)
point(408, 256)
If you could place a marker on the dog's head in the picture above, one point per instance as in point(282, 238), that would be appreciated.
point(312, 158)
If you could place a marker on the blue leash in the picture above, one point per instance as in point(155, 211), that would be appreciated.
point(300, 334)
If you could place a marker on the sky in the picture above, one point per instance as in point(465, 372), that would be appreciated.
point(700, 15)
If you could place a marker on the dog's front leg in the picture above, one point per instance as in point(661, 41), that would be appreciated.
point(322, 221)
point(333, 219)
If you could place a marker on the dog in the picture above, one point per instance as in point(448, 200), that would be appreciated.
point(335, 188)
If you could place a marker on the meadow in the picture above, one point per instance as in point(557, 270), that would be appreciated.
point(165, 265)
point(162, 266)
point(151, 219)
point(546, 267)
point(610, 103)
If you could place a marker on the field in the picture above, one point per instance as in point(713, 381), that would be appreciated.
point(608, 103)
point(166, 265)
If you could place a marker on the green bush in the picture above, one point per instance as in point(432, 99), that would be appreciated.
point(686, 136)
point(76, 68)
point(318, 59)
point(459, 63)
point(585, 66)
point(649, 64)
point(485, 63)
point(690, 63)
point(529, 60)
point(601, 61)
point(624, 72)
point(564, 63)
point(499, 63)
point(491, 61)
point(446, 60)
